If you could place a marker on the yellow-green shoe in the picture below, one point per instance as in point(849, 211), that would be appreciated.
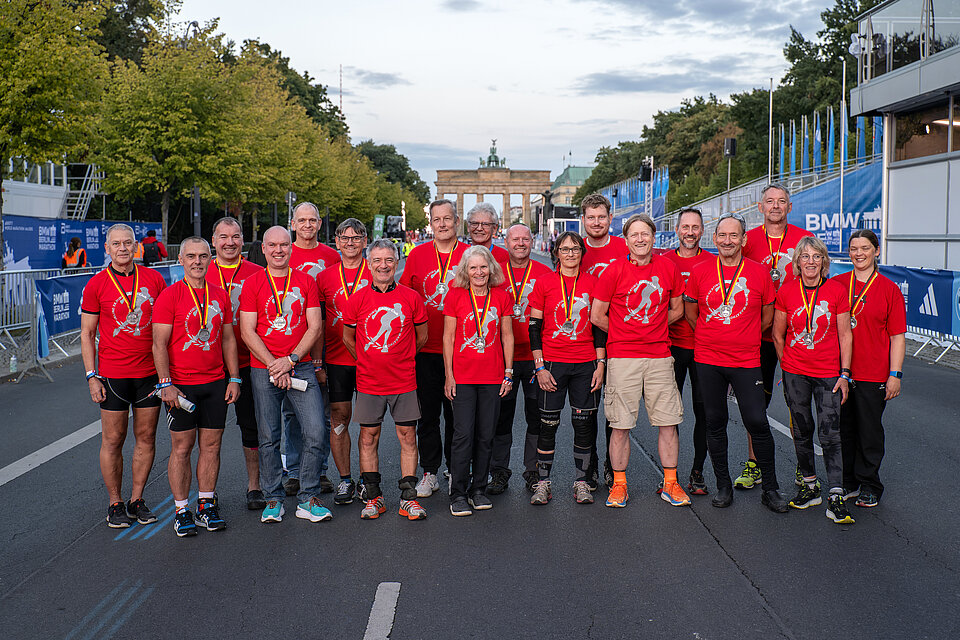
point(750, 477)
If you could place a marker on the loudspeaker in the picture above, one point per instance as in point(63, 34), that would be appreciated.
point(614, 193)
point(646, 173)
point(729, 147)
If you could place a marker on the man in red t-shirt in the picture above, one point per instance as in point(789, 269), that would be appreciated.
point(482, 225)
point(728, 302)
point(282, 324)
point(118, 303)
point(193, 343)
point(229, 271)
point(337, 285)
point(383, 326)
point(772, 245)
point(635, 301)
point(312, 257)
point(429, 271)
point(521, 274)
point(686, 257)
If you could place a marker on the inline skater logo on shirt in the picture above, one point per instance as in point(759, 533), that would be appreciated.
point(646, 289)
point(439, 295)
point(292, 301)
point(468, 329)
point(784, 259)
point(235, 290)
point(337, 314)
point(579, 315)
point(383, 326)
point(739, 288)
point(313, 269)
point(136, 318)
point(598, 269)
point(207, 334)
point(820, 311)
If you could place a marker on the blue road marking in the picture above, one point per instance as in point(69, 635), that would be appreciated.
point(169, 519)
point(126, 615)
point(111, 612)
point(141, 526)
point(93, 612)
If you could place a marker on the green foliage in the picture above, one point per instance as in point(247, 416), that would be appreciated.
point(394, 167)
point(127, 26)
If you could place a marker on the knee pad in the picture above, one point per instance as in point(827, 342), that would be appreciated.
point(408, 487)
point(549, 422)
point(583, 420)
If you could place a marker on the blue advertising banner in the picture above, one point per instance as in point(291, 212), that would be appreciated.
point(622, 215)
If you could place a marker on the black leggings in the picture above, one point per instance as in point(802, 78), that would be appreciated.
point(572, 379)
point(799, 391)
point(748, 386)
point(682, 363)
point(862, 438)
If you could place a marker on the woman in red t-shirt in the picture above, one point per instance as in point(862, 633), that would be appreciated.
point(569, 358)
point(478, 362)
point(878, 316)
point(811, 332)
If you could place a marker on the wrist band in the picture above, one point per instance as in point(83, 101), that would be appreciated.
point(318, 368)
point(164, 385)
point(896, 374)
point(538, 361)
point(846, 377)
point(162, 380)
point(508, 379)
point(844, 370)
point(237, 380)
point(92, 374)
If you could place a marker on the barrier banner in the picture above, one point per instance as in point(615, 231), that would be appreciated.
point(622, 215)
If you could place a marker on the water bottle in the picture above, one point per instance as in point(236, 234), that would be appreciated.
point(13, 363)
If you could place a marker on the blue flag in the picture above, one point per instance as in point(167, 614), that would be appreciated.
point(817, 142)
point(861, 139)
point(831, 139)
point(844, 138)
point(782, 151)
point(805, 157)
point(793, 148)
point(666, 181)
point(877, 136)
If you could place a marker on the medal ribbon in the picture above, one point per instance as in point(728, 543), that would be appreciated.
point(857, 301)
point(277, 298)
point(518, 292)
point(477, 315)
point(441, 266)
point(568, 300)
point(132, 300)
point(809, 305)
point(223, 282)
point(348, 290)
point(774, 255)
point(725, 293)
point(201, 311)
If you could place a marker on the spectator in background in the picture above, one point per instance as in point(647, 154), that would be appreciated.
point(255, 254)
point(75, 257)
point(153, 249)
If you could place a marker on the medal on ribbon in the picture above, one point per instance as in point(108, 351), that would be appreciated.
point(857, 301)
point(349, 289)
point(202, 310)
point(133, 314)
point(518, 290)
point(725, 310)
point(233, 276)
point(568, 324)
point(775, 255)
point(808, 305)
point(443, 269)
point(279, 323)
point(479, 317)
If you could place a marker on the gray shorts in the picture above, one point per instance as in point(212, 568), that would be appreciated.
point(369, 409)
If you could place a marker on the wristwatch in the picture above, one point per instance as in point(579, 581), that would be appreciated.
point(294, 359)
point(896, 374)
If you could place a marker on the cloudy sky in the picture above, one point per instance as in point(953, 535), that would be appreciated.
point(440, 78)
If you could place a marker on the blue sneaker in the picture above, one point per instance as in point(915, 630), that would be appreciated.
point(208, 515)
point(314, 511)
point(273, 513)
point(183, 524)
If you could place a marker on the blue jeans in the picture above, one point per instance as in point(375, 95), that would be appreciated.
point(308, 408)
point(292, 438)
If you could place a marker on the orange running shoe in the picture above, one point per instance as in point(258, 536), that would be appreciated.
point(373, 508)
point(618, 495)
point(412, 510)
point(673, 494)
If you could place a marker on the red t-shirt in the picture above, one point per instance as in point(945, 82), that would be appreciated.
point(334, 299)
point(758, 250)
point(732, 341)
point(880, 315)
point(822, 358)
point(639, 298)
point(126, 338)
point(233, 278)
point(471, 365)
point(193, 359)
point(560, 345)
point(521, 332)
point(257, 297)
point(421, 273)
point(597, 259)
point(681, 335)
point(313, 261)
point(386, 338)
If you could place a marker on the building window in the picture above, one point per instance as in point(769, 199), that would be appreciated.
point(956, 123)
point(922, 133)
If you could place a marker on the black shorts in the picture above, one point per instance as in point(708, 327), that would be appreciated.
point(211, 409)
point(246, 412)
point(341, 382)
point(123, 393)
point(573, 379)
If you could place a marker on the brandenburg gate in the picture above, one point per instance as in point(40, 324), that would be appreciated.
point(493, 177)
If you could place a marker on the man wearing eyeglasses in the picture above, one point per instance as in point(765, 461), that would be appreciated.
point(772, 244)
point(482, 225)
point(728, 302)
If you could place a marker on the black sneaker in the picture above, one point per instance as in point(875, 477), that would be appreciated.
point(345, 492)
point(837, 511)
point(325, 485)
point(608, 474)
point(772, 500)
point(530, 480)
point(498, 481)
point(291, 486)
point(480, 502)
point(183, 524)
point(867, 500)
point(117, 517)
point(460, 507)
point(137, 510)
point(806, 497)
point(593, 480)
point(208, 515)
point(255, 500)
point(697, 485)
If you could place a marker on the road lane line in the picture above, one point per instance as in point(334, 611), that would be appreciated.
point(380, 623)
point(16, 469)
point(785, 430)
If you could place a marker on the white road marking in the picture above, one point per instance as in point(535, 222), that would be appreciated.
point(380, 622)
point(16, 469)
point(785, 430)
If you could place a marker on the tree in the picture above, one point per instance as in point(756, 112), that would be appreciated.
point(51, 75)
point(128, 25)
point(395, 168)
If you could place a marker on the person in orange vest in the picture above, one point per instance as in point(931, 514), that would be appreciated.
point(75, 257)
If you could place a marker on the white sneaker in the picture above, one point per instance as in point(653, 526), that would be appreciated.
point(427, 485)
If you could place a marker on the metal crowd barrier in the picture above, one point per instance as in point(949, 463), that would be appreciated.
point(944, 341)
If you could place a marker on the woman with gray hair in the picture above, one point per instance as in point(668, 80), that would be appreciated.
point(811, 332)
point(478, 363)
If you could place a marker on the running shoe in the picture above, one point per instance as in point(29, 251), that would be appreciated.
point(837, 511)
point(183, 524)
point(697, 485)
point(673, 494)
point(345, 491)
point(273, 512)
point(373, 508)
point(325, 485)
point(582, 493)
point(867, 500)
point(117, 517)
point(460, 507)
point(749, 477)
point(660, 487)
point(806, 497)
point(291, 486)
point(498, 481)
point(851, 493)
point(480, 502)
point(798, 479)
point(530, 479)
point(138, 510)
point(427, 485)
point(541, 493)
point(618, 495)
point(412, 510)
point(208, 515)
point(313, 510)
point(608, 474)
point(772, 500)
point(255, 500)
point(593, 480)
